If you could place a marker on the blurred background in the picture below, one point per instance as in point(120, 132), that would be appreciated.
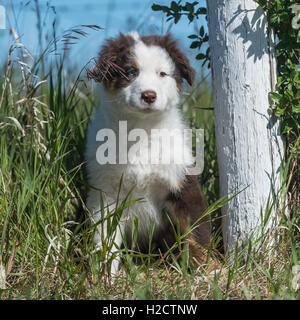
point(38, 22)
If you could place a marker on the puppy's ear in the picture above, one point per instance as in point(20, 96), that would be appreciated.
point(111, 58)
point(186, 71)
point(182, 63)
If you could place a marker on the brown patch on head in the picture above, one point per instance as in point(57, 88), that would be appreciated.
point(183, 69)
point(114, 61)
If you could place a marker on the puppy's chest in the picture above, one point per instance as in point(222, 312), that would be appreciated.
point(158, 147)
point(155, 162)
point(148, 179)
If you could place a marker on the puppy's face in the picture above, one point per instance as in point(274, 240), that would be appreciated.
point(144, 73)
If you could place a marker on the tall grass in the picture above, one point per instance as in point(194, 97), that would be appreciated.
point(46, 240)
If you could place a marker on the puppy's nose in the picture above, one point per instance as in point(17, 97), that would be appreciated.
point(148, 96)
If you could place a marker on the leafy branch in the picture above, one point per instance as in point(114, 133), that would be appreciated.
point(192, 11)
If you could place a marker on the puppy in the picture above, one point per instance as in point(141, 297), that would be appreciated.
point(141, 79)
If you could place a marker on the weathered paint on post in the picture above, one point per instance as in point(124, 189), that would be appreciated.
point(250, 149)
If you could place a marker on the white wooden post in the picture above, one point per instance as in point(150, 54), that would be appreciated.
point(250, 149)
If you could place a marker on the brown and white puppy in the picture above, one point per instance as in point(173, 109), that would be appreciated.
point(142, 77)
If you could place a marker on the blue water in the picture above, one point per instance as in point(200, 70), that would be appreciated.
point(113, 15)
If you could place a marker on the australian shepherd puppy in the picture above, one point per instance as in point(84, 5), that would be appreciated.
point(141, 80)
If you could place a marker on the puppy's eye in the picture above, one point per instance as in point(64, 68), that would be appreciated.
point(162, 74)
point(132, 72)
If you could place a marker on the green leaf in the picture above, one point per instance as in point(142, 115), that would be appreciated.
point(157, 7)
point(296, 109)
point(274, 20)
point(200, 56)
point(284, 18)
point(286, 126)
point(279, 111)
point(177, 17)
point(275, 97)
point(195, 44)
point(201, 10)
point(189, 7)
point(297, 77)
point(201, 32)
point(191, 17)
point(205, 39)
point(174, 6)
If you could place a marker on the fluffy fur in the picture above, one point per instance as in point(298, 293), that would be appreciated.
point(141, 77)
